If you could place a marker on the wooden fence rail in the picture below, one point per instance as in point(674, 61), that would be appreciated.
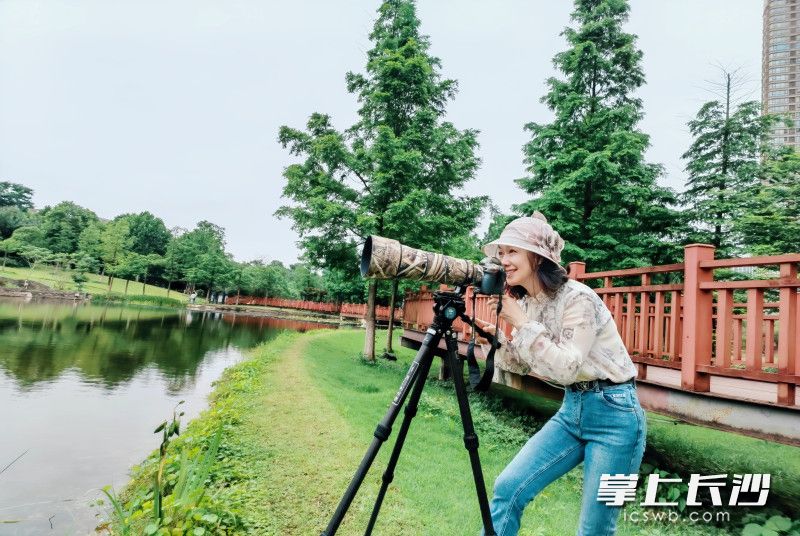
point(686, 329)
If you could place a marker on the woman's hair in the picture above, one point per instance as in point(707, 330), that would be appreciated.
point(551, 276)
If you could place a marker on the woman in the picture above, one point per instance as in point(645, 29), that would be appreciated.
point(563, 331)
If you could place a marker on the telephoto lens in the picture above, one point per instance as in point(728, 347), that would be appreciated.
point(384, 258)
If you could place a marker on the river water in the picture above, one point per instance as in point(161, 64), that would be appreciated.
point(83, 387)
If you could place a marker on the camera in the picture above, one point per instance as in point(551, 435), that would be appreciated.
point(385, 258)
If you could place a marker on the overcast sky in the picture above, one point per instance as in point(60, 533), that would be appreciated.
point(174, 106)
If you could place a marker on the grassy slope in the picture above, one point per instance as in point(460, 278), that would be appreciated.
point(306, 424)
point(433, 481)
point(709, 451)
point(62, 280)
point(300, 415)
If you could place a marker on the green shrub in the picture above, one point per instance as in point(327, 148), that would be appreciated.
point(760, 525)
point(178, 501)
point(160, 301)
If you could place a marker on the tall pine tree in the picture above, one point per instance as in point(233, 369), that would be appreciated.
point(586, 168)
point(770, 210)
point(394, 172)
point(724, 160)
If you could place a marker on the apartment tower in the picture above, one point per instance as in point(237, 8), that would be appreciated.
point(780, 70)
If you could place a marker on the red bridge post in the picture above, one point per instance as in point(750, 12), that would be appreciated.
point(697, 317)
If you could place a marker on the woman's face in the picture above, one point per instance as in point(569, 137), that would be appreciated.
point(517, 264)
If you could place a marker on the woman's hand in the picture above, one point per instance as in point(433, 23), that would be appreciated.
point(485, 326)
point(512, 312)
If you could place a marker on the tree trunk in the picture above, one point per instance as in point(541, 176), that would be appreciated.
point(717, 240)
point(126, 286)
point(389, 353)
point(238, 293)
point(169, 284)
point(110, 282)
point(369, 339)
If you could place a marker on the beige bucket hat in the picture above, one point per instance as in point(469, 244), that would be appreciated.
point(531, 233)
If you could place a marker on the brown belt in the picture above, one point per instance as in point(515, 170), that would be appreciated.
point(591, 385)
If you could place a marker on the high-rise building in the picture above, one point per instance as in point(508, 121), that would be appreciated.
point(780, 67)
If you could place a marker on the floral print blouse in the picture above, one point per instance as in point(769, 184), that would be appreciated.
point(568, 338)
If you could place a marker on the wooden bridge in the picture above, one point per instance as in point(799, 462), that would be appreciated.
point(724, 353)
point(345, 310)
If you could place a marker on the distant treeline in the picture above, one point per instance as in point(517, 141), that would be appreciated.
point(140, 247)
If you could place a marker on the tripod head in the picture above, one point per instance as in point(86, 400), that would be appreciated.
point(449, 305)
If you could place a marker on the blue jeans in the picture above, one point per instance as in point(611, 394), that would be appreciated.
point(604, 428)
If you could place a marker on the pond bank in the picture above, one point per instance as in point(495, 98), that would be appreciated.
point(16, 288)
point(298, 416)
point(275, 312)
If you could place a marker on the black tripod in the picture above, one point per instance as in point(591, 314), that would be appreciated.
point(448, 306)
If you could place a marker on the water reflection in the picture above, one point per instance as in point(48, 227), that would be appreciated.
point(109, 345)
point(81, 389)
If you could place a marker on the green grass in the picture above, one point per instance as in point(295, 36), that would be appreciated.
point(62, 280)
point(710, 451)
point(299, 416)
point(42, 313)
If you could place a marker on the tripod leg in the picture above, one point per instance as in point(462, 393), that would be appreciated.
point(410, 412)
point(470, 437)
point(384, 428)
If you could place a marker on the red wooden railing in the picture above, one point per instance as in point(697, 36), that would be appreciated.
point(359, 310)
point(352, 310)
point(319, 307)
point(276, 323)
point(655, 337)
point(697, 325)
